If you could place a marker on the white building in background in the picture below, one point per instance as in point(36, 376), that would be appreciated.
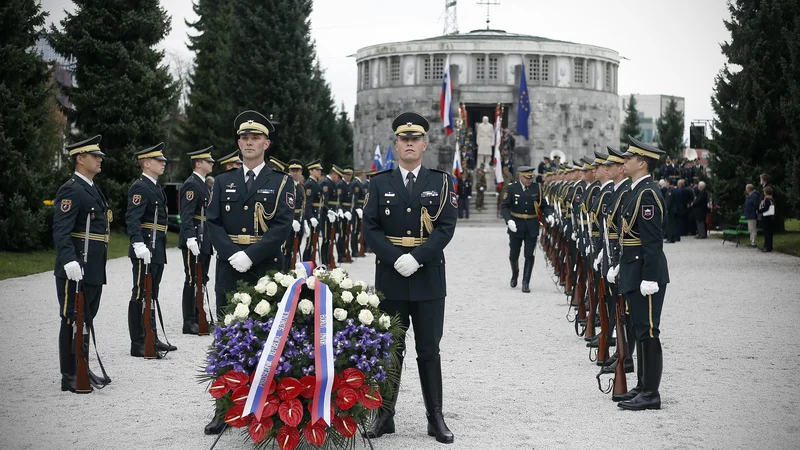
point(651, 108)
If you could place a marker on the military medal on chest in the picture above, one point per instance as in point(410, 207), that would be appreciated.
point(388, 213)
point(227, 207)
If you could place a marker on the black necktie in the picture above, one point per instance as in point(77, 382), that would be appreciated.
point(251, 177)
point(410, 183)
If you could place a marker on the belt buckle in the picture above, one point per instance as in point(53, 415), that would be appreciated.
point(243, 239)
point(407, 241)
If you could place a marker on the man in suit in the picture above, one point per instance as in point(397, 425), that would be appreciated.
point(643, 271)
point(146, 221)
point(410, 216)
point(700, 210)
point(249, 216)
point(194, 196)
point(522, 202)
point(77, 201)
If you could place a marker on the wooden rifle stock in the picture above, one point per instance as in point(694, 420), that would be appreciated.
point(361, 239)
point(620, 382)
point(580, 292)
point(202, 320)
point(314, 237)
point(347, 256)
point(149, 336)
point(295, 248)
point(592, 301)
point(568, 284)
point(602, 343)
point(82, 375)
point(331, 244)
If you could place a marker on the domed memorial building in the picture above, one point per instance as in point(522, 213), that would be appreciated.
point(574, 107)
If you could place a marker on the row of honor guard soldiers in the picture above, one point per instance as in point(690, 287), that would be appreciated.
point(602, 236)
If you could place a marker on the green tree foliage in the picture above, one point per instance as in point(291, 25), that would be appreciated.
point(757, 103)
point(345, 130)
point(29, 139)
point(631, 125)
point(123, 90)
point(670, 130)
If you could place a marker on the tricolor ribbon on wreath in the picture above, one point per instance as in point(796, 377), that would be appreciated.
point(323, 348)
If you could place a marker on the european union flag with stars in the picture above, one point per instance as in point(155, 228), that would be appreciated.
point(523, 105)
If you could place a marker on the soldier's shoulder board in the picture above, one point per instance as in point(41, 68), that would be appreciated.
point(383, 172)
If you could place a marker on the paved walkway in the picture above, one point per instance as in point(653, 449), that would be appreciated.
point(516, 376)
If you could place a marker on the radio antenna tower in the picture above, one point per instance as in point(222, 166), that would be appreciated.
point(488, 4)
point(450, 17)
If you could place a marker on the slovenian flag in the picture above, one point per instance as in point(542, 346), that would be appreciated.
point(377, 163)
point(445, 100)
point(456, 167)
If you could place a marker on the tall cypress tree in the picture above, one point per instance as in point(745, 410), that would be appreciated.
point(123, 90)
point(670, 130)
point(210, 110)
point(631, 125)
point(345, 129)
point(28, 134)
point(757, 105)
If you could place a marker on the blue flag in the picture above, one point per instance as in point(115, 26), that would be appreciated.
point(523, 106)
point(389, 159)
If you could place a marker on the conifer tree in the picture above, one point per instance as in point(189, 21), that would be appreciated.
point(631, 125)
point(670, 130)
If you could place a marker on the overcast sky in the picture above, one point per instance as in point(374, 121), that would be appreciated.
point(671, 46)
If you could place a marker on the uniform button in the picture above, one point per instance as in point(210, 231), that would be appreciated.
point(378, 261)
point(244, 230)
point(245, 207)
point(637, 257)
point(408, 209)
point(275, 260)
point(408, 232)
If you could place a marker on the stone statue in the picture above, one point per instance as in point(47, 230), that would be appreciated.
point(485, 140)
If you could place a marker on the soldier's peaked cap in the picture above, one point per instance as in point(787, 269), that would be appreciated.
point(90, 146)
point(315, 164)
point(295, 164)
point(639, 148)
point(338, 170)
point(231, 158)
point(252, 122)
point(410, 124)
point(599, 158)
point(155, 152)
point(278, 163)
point(614, 157)
point(525, 171)
point(204, 154)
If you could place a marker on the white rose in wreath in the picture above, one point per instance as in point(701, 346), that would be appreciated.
point(340, 314)
point(319, 271)
point(385, 321)
point(277, 277)
point(311, 282)
point(347, 283)
point(363, 298)
point(365, 317)
point(272, 288)
point(360, 283)
point(229, 319)
point(347, 296)
point(300, 271)
point(264, 280)
point(374, 301)
point(241, 312)
point(244, 298)
point(337, 274)
point(263, 308)
point(306, 307)
point(261, 287)
point(287, 281)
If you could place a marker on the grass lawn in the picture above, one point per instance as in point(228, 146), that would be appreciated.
point(787, 242)
point(14, 265)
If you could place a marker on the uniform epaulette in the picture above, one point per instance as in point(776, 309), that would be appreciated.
point(280, 172)
point(383, 172)
point(440, 171)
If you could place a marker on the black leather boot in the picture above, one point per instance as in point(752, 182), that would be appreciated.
point(430, 377)
point(639, 375)
point(160, 346)
point(217, 424)
point(526, 274)
point(648, 398)
point(189, 310)
point(66, 359)
point(514, 272)
point(135, 329)
point(384, 421)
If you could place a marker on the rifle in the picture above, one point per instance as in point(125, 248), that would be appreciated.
point(149, 336)
point(331, 244)
point(620, 381)
point(202, 320)
point(361, 239)
point(602, 342)
point(590, 332)
point(347, 257)
point(82, 375)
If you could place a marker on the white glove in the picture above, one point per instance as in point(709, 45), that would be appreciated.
point(331, 216)
point(141, 251)
point(348, 216)
point(240, 261)
point(648, 287)
point(306, 229)
point(74, 271)
point(496, 194)
point(469, 196)
point(360, 213)
point(406, 265)
point(574, 236)
point(611, 276)
point(314, 222)
point(191, 244)
point(551, 220)
point(480, 188)
point(341, 213)
point(598, 260)
point(512, 226)
point(295, 226)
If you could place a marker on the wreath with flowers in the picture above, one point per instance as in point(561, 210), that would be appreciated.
point(262, 366)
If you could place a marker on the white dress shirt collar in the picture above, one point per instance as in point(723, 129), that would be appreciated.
point(404, 173)
point(633, 185)
point(91, 183)
point(256, 170)
point(150, 178)
point(202, 177)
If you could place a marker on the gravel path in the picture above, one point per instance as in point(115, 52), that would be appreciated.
point(516, 376)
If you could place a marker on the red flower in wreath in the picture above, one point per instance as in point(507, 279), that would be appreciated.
point(309, 383)
point(239, 395)
point(218, 388)
point(353, 378)
point(289, 388)
point(270, 406)
point(346, 426)
point(345, 398)
point(235, 417)
point(235, 379)
point(370, 397)
point(258, 429)
point(315, 434)
point(288, 437)
point(291, 412)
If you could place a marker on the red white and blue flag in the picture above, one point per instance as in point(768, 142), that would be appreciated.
point(445, 100)
point(377, 160)
point(323, 353)
point(456, 167)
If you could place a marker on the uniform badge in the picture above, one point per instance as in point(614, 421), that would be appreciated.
point(290, 200)
point(66, 205)
point(189, 196)
point(366, 200)
point(388, 213)
point(604, 209)
point(308, 191)
point(324, 188)
point(231, 186)
point(648, 211)
point(454, 200)
point(339, 191)
point(357, 189)
point(578, 198)
point(136, 200)
point(505, 195)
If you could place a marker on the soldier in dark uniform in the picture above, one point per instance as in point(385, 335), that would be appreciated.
point(194, 196)
point(358, 193)
point(79, 200)
point(345, 212)
point(230, 161)
point(464, 195)
point(331, 208)
point(522, 202)
point(249, 217)
point(643, 272)
point(314, 206)
point(145, 198)
point(365, 189)
point(410, 216)
point(296, 171)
